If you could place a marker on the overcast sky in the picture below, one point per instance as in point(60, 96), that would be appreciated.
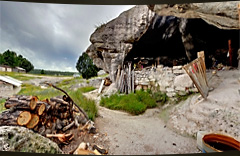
point(51, 36)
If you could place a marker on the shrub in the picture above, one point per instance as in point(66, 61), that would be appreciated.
point(146, 98)
point(132, 103)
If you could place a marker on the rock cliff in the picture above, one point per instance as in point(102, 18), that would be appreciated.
point(112, 41)
point(175, 31)
point(223, 15)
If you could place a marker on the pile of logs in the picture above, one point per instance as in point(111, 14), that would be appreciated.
point(125, 79)
point(50, 118)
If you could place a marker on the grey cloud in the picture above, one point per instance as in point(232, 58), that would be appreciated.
point(51, 36)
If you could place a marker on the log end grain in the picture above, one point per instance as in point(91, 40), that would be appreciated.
point(24, 118)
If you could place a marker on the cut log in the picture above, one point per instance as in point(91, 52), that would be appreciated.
point(15, 118)
point(61, 101)
point(84, 152)
point(68, 126)
point(33, 102)
point(40, 108)
point(100, 149)
point(19, 104)
point(33, 122)
point(23, 118)
point(23, 97)
point(61, 137)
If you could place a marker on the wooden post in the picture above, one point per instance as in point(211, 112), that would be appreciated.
point(101, 86)
point(230, 51)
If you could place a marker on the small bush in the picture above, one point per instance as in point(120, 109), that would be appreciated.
point(133, 106)
point(132, 103)
point(146, 98)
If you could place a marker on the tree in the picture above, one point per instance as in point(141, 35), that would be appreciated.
point(25, 64)
point(86, 67)
point(42, 72)
point(10, 58)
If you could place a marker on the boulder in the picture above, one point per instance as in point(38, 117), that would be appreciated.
point(101, 72)
point(183, 81)
point(21, 139)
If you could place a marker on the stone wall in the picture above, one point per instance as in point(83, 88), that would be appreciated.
point(172, 81)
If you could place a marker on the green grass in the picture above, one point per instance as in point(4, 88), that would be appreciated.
point(133, 103)
point(88, 106)
point(2, 108)
point(87, 89)
point(18, 76)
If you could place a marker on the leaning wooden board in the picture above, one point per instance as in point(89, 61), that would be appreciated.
point(197, 72)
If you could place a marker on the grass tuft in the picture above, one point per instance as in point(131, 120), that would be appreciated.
point(133, 103)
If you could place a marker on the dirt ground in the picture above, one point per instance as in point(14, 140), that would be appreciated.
point(149, 134)
point(143, 134)
point(40, 80)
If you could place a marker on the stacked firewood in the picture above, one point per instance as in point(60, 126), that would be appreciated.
point(50, 118)
point(125, 79)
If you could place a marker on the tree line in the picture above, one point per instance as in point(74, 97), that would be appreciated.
point(10, 58)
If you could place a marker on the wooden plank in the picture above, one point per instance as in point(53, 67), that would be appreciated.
point(197, 72)
point(101, 87)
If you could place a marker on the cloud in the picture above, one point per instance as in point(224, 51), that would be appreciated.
point(51, 36)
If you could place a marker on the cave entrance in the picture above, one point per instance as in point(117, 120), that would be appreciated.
point(162, 43)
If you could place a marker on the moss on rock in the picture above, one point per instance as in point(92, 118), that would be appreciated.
point(21, 139)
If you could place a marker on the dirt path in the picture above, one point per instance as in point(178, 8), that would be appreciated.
point(143, 134)
point(148, 134)
point(40, 80)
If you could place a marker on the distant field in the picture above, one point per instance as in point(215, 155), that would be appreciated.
point(18, 76)
point(53, 73)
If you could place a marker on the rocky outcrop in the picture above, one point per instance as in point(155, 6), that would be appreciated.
point(112, 41)
point(223, 15)
point(20, 139)
point(154, 29)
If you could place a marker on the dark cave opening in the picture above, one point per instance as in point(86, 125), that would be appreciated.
point(163, 43)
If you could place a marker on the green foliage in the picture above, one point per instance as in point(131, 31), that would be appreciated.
point(88, 105)
point(145, 97)
point(160, 97)
point(2, 108)
point(86, 67)
point(42, 72)
point(133, 103)
point(11, 59)
point(87, 89)
point(18, 76)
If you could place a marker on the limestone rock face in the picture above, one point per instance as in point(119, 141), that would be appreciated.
point(223, 15)
point(112, 41)
point(20, 139)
